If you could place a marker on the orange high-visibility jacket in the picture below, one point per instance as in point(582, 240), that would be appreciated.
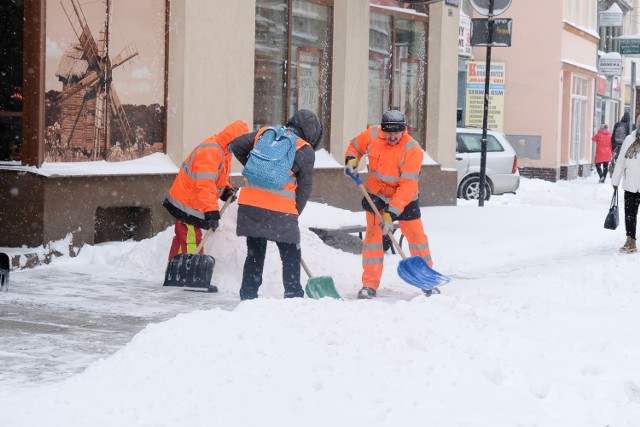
point(268, 198)
point(203, 176)
point(394, 170)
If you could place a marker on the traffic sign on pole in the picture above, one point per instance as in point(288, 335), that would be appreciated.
point(482, 6)
point(501, 32)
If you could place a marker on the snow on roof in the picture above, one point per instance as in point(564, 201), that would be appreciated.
point(399, 9)
point(589, 31)
point(577, 64)
point(613, 9)
point(628, 37)
point(156, 163)
point(609, 55)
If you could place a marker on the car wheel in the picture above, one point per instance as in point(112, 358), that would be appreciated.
point(470, 189)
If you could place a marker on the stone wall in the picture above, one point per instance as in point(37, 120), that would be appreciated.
point(36, 209)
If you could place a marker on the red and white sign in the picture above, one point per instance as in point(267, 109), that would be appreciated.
point(601, 86)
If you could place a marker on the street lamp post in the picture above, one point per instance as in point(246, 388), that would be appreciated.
point(485, 112)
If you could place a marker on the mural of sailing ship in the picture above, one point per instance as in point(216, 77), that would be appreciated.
point(86, 120)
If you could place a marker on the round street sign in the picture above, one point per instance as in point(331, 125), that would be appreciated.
point(482, 6)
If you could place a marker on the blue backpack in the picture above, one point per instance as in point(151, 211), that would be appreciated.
point(271, 159)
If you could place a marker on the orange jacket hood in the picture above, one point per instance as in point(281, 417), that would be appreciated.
point(231, 132)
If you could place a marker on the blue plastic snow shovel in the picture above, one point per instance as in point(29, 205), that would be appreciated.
point(413, 270)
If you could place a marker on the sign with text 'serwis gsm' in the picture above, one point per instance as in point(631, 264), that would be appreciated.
point(474, 105)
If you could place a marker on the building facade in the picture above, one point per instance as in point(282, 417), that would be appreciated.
point(544, 104)
point(115, 80)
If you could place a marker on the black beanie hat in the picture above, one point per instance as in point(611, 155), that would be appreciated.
point(393, 121)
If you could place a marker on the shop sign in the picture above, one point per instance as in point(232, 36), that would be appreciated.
point(501, 32)
point(616, 85)
point(629, 46)
point(474, 106)
point(610, 66)
point(611, 17)
point(601, 86)
point(464, 35)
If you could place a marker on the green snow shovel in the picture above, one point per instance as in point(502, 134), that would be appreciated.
point(319, 287)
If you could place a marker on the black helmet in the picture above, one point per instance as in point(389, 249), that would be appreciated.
point(393, 121)
point(307, 126)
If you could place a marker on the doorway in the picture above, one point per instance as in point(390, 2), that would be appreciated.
point(11, 55)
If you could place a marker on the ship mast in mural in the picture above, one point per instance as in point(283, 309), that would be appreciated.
point(88, 100)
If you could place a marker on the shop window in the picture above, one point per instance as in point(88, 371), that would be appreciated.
point(380, 49)
point(292, 61)
point(11, 48)
point(397, 69)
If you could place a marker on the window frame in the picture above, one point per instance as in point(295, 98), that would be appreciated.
point(289, 73)
point(579, 98)
point(379, 7)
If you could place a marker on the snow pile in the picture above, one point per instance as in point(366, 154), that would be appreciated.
point(538, 328)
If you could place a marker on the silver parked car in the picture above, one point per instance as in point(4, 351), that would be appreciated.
point(502, 164)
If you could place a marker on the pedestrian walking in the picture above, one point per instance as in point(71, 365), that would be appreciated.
point(628, 166)
point(620, 131)
point(202, 179)
point(603, 151)
point(271, 214)
point(395, 160)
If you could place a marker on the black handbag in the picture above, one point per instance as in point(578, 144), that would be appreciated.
point(613, 218)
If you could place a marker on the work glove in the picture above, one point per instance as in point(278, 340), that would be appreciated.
point(229, 192)
point(351, 165)
point(387, 223)
point(212, 219)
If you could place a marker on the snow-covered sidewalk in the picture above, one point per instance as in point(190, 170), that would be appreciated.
point(538, 328)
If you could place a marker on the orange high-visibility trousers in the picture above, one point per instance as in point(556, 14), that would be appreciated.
point(186, 239)
point(373, 252)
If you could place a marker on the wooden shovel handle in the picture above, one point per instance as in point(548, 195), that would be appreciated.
point(365, 193)
point(306, 268)
point(210, 231)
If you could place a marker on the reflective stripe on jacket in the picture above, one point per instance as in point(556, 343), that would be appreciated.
point(283, 200)
point(394, 170)
point(204, 174)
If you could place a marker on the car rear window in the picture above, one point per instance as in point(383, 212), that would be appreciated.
point(471, 143)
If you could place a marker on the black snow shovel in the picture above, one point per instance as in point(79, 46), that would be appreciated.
point(194, 270)
point(413, 270)
point(319, 287)
point(5, 267)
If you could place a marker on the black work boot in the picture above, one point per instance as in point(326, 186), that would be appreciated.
point(366, 293)
point(432, 291)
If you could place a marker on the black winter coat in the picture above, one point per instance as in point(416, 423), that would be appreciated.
point(620, 132)
point(273, 225)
